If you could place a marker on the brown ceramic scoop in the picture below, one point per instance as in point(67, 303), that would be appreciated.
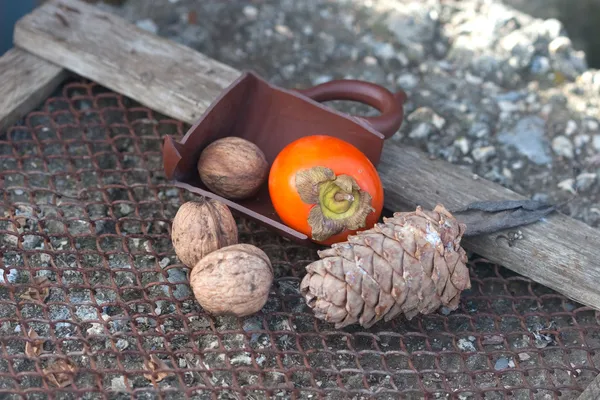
point(272, 117)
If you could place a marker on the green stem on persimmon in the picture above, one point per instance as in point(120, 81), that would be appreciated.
point(339, 203)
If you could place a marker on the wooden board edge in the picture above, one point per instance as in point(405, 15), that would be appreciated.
point(37, 79)
point(156, 80)
point(592, 391)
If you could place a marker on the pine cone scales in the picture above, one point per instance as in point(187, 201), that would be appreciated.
point(411, 263)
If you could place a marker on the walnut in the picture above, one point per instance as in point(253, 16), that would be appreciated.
point(201, 227)
point(233, 168)
point(234, 280)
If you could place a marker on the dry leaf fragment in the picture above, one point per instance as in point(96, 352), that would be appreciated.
point(40, 292)
point(156, 364)
point(33, 348)
point(61, 372)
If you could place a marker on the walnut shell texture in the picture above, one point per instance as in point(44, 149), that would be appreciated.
point(234, 280)
point(233, 167)
point(201, 227)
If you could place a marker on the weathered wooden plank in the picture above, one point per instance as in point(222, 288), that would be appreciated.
point(592, 392)
point(26, 80)
point(105, 48)
point(558, 252)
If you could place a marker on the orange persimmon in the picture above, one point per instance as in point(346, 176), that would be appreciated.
point(325, 188)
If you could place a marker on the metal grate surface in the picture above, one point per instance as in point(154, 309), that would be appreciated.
point(93, 298)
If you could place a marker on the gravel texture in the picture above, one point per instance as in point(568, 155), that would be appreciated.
point(490, 88)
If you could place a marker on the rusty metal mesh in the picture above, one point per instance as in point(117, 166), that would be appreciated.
point(88, 276)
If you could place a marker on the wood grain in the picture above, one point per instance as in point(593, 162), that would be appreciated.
point(592, 392)
point(158, 73)
point(559, 252)
point(27, 80)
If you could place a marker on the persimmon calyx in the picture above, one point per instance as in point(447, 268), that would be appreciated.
point(339, 203)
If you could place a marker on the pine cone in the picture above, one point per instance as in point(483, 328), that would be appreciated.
point(411, 263)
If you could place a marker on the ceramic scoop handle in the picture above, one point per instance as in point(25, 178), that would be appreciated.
point(388, 104)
